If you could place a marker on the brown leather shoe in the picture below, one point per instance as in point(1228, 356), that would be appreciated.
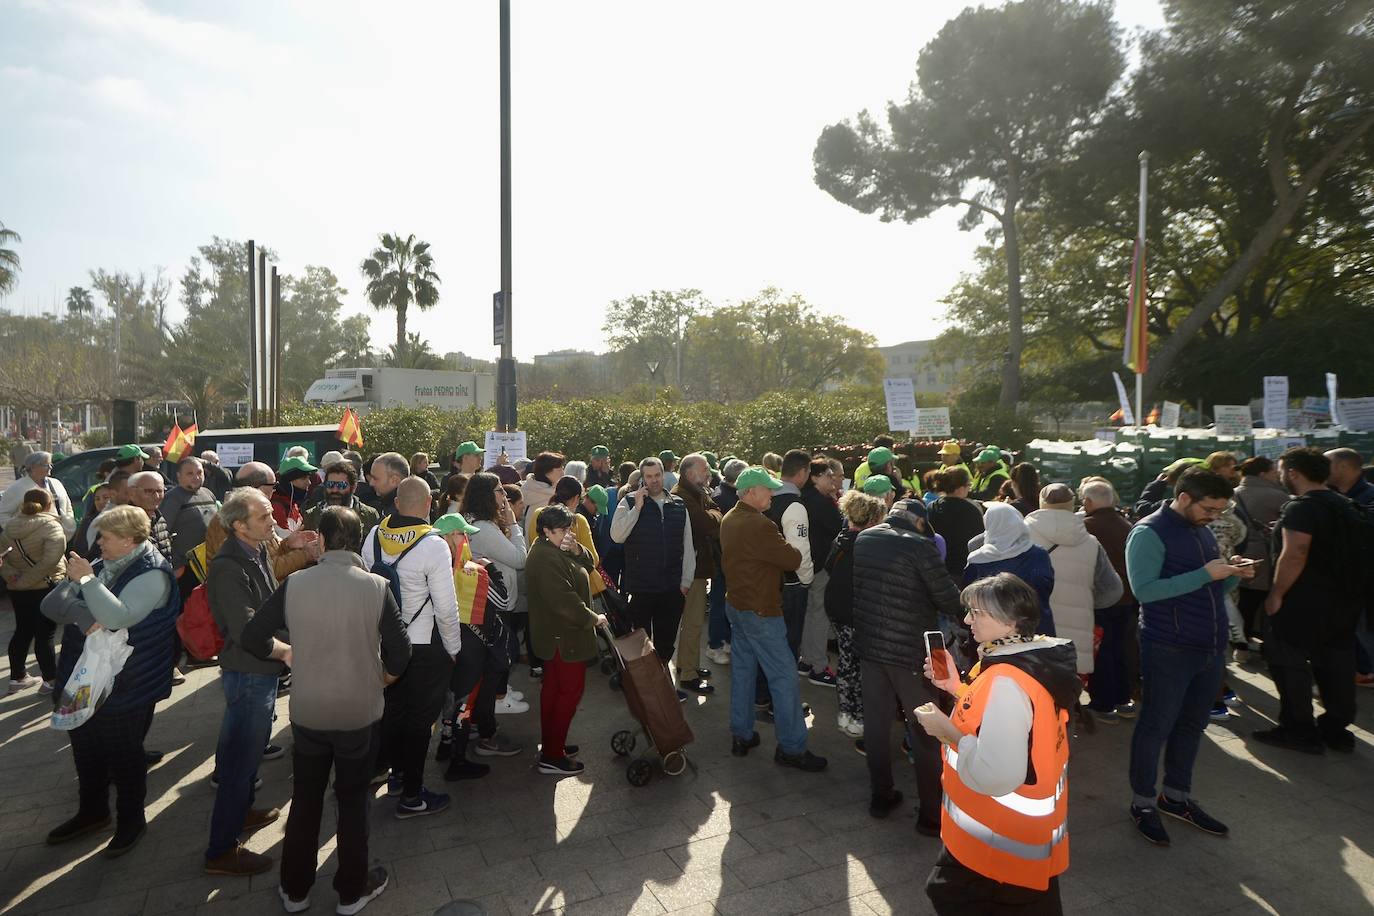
point(239, 863)
point(260, 817)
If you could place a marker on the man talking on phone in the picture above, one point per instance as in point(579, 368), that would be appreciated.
point(1180, 580)
point(660, 561)
point(901, 588)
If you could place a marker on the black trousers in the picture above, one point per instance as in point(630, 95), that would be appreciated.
point(412, 705)
point(109, 748)
point(1251, 604)
point(959, 891)
point(353, 757)
point(885, 685)
point(1294, 668)
point(30, 626)
point(659, 613)
point(476, 663)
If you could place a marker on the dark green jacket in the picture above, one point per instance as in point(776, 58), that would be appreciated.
point(560, 601)
point(310, 520)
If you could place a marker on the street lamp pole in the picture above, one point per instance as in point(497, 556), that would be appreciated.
point(506, 413)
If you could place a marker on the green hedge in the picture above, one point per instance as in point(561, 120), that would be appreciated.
point(836, 423)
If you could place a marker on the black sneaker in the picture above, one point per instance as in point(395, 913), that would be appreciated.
point(564, 766)
point(376, 883)
point(882, 805)
point(152, 758)
point(77, 827)
point(704, 673)
point(1148, 825)
point(445, 749)
point(1342, 741)
point(1189, 812)
point(859, 747)
point(214, 783)
point(739, 747)
point(924, 829)
point(806, 761)
point(1281, 737)
point(696, 685)
point(465, 769)
point(682, 695)
point(273, 752)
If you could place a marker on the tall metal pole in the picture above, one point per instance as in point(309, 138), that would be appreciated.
point(274, 405)
point(252, 334)
point(262, 337)
point(506, 411)
point(1140, 234)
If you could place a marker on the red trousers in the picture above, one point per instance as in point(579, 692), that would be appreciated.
point(558, 699)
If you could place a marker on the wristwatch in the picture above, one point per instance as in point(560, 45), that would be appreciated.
point(84, 579)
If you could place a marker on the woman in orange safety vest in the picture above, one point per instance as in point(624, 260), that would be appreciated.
point(1006, 753)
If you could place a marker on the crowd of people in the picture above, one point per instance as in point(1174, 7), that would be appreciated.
point(973, 605)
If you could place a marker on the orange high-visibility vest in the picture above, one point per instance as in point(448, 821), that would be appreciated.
point(1022, 837)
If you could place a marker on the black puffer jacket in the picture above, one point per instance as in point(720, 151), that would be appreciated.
point(900, 587)
point(839, 589)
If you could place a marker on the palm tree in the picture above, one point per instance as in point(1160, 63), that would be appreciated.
point(79, 301)
point(400, 273)
point(416, 355)
point(9, 259)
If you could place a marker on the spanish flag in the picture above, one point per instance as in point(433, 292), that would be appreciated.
point(350, 429)
point(179, 442)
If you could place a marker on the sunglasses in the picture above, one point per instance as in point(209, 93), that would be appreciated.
point(336, 484)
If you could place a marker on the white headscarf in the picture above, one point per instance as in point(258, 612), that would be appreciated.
point(1005, 535)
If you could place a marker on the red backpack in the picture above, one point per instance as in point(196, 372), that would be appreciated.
point(197, 628)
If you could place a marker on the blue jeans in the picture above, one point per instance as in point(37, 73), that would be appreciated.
point(1178, 689)
point(762, 642)
point(248, 703)
point(718, 625)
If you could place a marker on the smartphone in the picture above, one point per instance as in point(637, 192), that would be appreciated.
point(1247, 562)
point(935, 651)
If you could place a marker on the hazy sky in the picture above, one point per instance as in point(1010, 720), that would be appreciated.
point(655, 146)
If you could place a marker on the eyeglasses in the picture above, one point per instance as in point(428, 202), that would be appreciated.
point(336, 484)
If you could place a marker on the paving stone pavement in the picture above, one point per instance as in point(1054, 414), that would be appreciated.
point(729, 836)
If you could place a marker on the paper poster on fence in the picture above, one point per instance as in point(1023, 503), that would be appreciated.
point(1331, 398)
point(1232, 419)
point(931, 423)
point(1357, 414)
point(1273, 446)
point(901, 403)
point(1168, 415)
point(234, 454)
point(513, 444)
point(1276, 401)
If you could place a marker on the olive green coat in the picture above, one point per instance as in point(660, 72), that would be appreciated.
point(560, 602)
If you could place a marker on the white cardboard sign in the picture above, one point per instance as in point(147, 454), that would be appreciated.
point(901, 403)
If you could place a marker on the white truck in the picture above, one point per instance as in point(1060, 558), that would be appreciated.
point(366, 389)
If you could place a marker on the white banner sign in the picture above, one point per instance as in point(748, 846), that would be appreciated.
point(931, 422)
point(1331, 398)
point(1168, 415)
point(901, 404)
point(1127, 416)
point(513, 444)
point(1232, 419)
point(1356, 414)
point(234, 454)
point(1276, 401)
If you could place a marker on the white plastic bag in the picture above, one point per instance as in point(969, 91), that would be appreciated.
point(103, 657)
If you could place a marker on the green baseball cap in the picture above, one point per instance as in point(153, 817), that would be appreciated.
point(667, 455)
point(878, 485)
point(127, 452)
point(991, 453)
point(880, 457)
point(711, 460)
point(468, 448)
point(295, 464)
point(600, 451)
point(597, 494)
point(447, 524)
point(756, 477)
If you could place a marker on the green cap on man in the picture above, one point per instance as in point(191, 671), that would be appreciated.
point(667, 455)
point(468, 448)
point(447, 524)
point(599, 497)
point(756, 477)
point(880, 457)
point(129, 452)
point(878, 485)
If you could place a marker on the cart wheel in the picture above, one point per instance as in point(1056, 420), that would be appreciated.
point(608, 666)
point(622, 742)
point(639, 772)
point(614, 682)
point(674, 763)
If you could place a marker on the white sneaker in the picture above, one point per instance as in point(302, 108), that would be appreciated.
point(515, 695)
point(719, 656)
point(46, 688)
point(29, 680)
point(850, 726)
point(506, 706)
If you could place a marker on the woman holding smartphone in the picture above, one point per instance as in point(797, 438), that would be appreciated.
point(1006, 756)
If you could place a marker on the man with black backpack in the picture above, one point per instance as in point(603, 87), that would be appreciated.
point(1323, 545)
point(414, 559)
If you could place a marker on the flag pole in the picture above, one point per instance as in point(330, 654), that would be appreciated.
point(1140, 234)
